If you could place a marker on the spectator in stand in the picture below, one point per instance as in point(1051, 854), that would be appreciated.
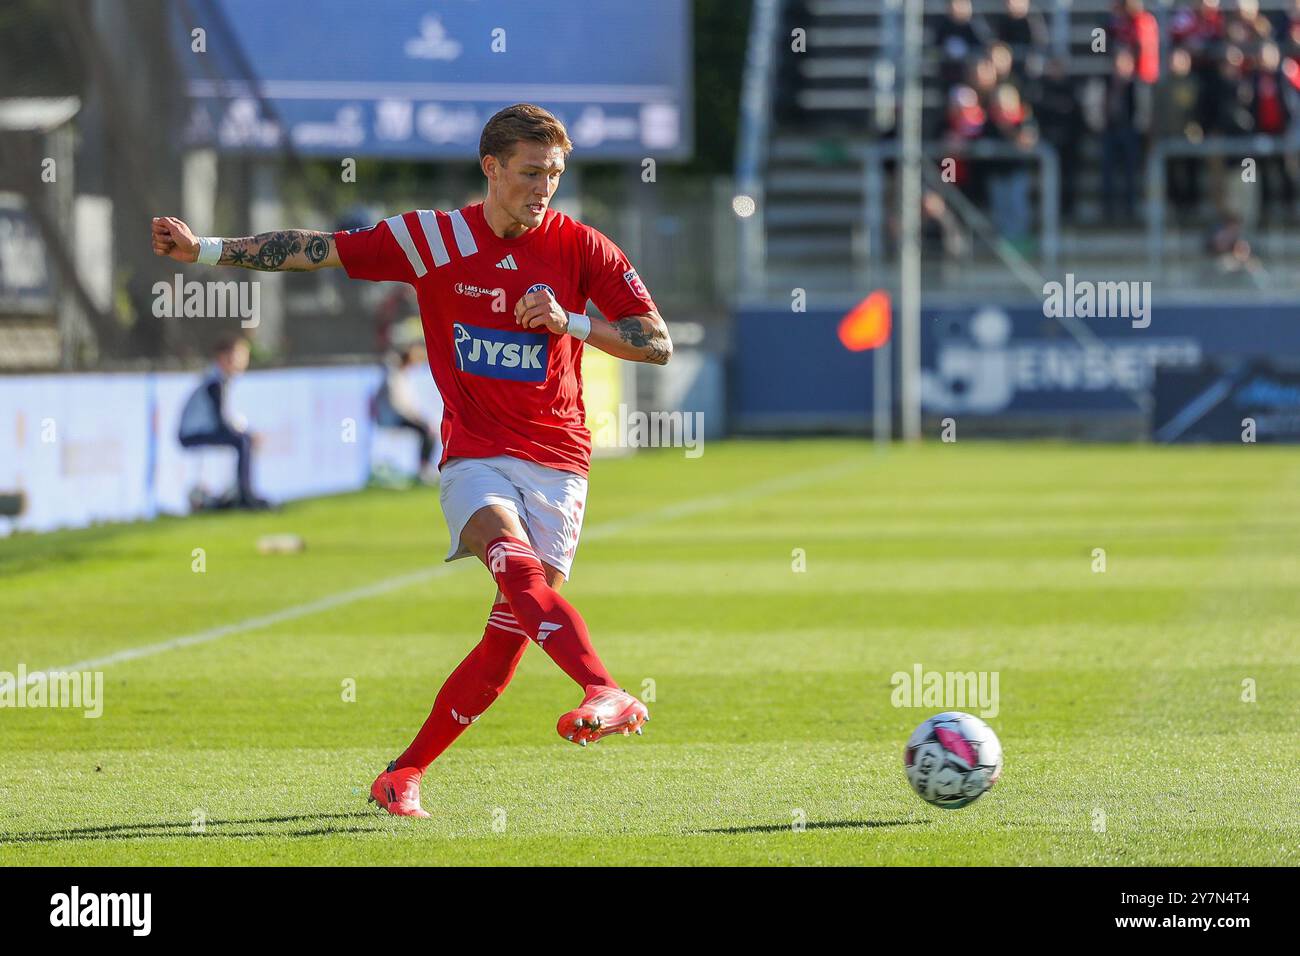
point(1175, 116)
point(1010, 121)
point(983, 81)
point(1228, 247)
point(1272, 117)
point(1025, 32)
point(1198, 30)
point(1247, 28)
point(959, 36)
point(1060, 122)
point(1228, 113)
point(1289, 31)
point(965, 121)
point(1279, 23)
point(1126, 114)
point(1004, 65)
point(1134, 28)
point(966, 117)
point(983, 78)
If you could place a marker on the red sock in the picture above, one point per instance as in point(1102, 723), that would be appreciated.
point(471, 688)
point(547, 618)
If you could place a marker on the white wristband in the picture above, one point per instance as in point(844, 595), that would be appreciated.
point(579, 326)
point(209, 251)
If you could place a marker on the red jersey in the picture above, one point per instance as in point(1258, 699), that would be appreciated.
point(505, 390)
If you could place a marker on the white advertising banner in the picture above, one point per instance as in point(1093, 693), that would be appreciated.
point(76, 447)
point(88, 448)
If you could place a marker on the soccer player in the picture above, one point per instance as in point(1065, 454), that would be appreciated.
point(503, 286)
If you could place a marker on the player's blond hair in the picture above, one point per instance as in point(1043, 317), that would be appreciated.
point(522, 122)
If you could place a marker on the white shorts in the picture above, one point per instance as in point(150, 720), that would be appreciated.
point(549, 503)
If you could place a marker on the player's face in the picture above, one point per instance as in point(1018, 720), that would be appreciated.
point(525, 183)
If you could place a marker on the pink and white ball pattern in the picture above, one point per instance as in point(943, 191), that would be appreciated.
point(952, 759)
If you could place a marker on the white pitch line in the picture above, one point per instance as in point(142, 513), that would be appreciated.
point(604, 530)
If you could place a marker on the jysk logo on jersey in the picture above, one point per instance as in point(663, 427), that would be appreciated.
point(498, 353)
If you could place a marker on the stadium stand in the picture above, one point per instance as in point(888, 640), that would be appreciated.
point(1229, 93)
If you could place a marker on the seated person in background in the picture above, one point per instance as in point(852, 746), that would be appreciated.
point(205, 420)
point(396, 405)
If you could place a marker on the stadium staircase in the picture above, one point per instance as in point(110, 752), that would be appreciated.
point(832, 100)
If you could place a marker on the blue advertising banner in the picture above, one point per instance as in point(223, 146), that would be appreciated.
point(417, 80)
point(1256, 402)
point(790, 369)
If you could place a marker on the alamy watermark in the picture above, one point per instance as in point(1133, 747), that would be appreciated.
point(133, 911)
point(946, 690)
point(1084, 299)
point(629, 429)
point(74, 690)
point(232, 299)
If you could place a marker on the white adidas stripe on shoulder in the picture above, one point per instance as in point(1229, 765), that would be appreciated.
point(464, 238)
point(397, 226)
point(433, 235)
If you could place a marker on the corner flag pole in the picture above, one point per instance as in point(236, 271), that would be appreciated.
point(882, 400)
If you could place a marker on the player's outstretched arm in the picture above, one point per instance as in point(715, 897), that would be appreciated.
point(289, 250)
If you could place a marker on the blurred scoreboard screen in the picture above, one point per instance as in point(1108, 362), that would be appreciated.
point(404, 79)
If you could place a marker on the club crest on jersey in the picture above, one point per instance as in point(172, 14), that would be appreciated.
point(541, 287)
point(635, 284)
point(499, 353)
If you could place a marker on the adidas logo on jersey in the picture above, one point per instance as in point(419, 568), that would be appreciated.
point(507, 263)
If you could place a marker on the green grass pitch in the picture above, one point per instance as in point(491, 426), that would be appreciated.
point(1121, 708)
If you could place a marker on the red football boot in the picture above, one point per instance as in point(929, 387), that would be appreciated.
point(398, 791)
point(604, 711)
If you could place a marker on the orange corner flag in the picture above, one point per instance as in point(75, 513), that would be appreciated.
point(868, 323)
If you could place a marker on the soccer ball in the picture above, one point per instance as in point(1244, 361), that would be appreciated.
point(952, 759)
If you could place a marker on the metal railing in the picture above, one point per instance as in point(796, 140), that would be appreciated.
point(1043, 154)
point(1161, 151)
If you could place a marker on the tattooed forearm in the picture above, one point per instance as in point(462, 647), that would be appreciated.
point(292, 250)
point(649, 339)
